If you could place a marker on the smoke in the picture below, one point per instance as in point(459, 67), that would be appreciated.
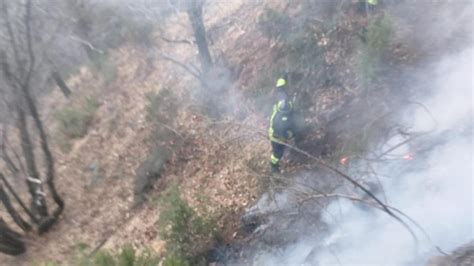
point(438, 195)
point(434, 188)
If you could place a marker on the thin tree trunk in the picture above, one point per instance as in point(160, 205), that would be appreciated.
point(13, 213)
point(18, 199)
point(48, 156)
point(61, 84)
point(10, 241)
point(195, 16)
point(33, 181)
point(9, 163)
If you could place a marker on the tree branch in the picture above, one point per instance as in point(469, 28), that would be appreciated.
point(327, 166)
point(13, 42)
point(186, 67)
point(184, 41)
point(29, 43)
point(86, 43)
point(13, 213)
point(18, 199)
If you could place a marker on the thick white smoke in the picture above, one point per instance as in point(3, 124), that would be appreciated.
point(439, 195)
point(435, 190)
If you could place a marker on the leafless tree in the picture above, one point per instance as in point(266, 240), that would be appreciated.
point(10, 241)
point(22, 68)
point(194, 11)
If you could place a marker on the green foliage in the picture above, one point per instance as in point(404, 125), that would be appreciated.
point(103, 64)
point(298, 51)
point(74, 121)
point(48, 264)
point(376, 39)
point(127, 256)
point(186, 233)
point(103, 259)
point(174, 260)
point(161, 106)
point(161, 110)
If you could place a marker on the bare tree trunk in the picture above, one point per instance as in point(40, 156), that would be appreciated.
point(13, 213)
point(18, 199)
point(33, 181)
point(195, 16)
point(48, 156)
point(8, 161)
point(10, 241)
point(61, 84)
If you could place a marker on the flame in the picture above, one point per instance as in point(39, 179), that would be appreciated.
point(408, 157)
point(344, 160)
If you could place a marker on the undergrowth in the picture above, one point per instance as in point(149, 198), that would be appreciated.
point(103, 64)
point(161, 106)
point(75, 121)
point(126, 256)
point(375, 40)
point(187, 234)
point(161, 111)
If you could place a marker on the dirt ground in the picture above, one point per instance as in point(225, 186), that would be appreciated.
point(99, 209)
point(212, 168)
point(215, 167)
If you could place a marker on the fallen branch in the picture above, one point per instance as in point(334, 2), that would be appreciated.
point(170, 129)
point(86, 43)
point(415, 136)
point(186, 67)
point(325, 165)
point(184, 41)
point(18, 199)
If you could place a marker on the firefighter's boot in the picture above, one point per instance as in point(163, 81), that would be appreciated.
point(274, 168)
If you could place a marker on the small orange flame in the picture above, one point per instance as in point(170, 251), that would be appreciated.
point(408, 157)
point(344, 160)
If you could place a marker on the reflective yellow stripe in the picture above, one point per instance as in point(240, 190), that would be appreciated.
point(270, 129)
point(280, 103)
point(281, 82)
point(372, 2)
point(274, 160)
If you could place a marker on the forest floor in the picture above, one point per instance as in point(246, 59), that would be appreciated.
point(215, 166)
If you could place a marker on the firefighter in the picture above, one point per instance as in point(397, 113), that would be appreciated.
point(372, 3)
point(366, 5)
point(281, 124)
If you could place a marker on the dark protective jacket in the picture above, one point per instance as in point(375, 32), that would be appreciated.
point(281, 120)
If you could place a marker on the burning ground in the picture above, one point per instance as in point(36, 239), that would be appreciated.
point(423, 167)
point(406, 134)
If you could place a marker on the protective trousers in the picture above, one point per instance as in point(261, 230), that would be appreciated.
point(277, 153)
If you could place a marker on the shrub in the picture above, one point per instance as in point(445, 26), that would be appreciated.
point(161, 111)
point(49, 263)
point(186, 233)
point(375, 40)
point(127, 256)
point(103, 64)
point(161, 106)
point(74, 121)
point(175, 261)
